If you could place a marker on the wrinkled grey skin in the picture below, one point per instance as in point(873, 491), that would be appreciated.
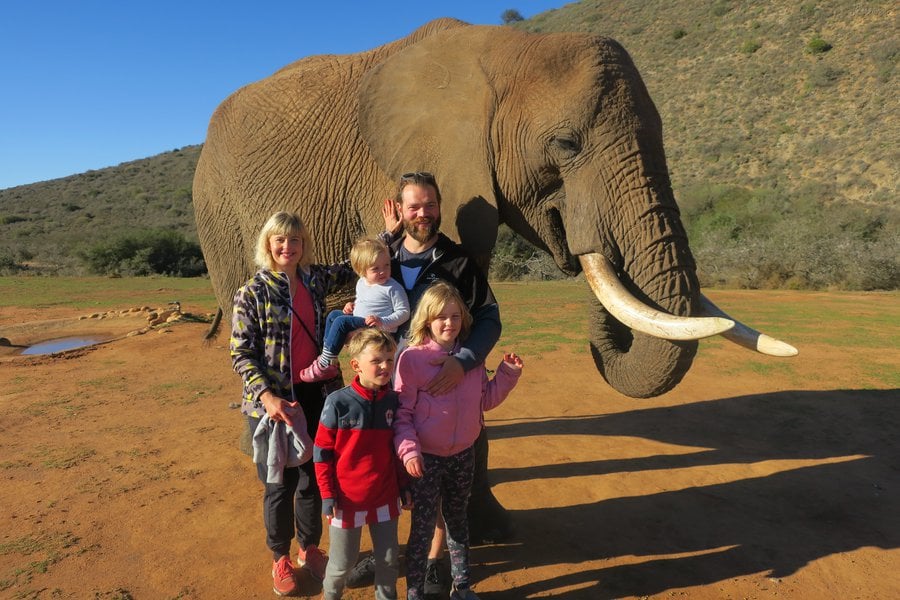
point(553, 134)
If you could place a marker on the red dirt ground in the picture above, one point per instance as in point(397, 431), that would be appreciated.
point(122, 476)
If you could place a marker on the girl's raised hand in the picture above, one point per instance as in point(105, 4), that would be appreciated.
point(513, 360)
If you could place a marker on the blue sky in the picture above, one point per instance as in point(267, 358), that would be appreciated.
point(90, 84)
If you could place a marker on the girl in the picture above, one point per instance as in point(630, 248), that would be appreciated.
point(277, 329)
point(434, 434)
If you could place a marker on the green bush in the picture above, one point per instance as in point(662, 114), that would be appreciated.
point(8, 264)
point(817, 46)
point(679, 33)
point(761, 239)
point(721, 8)
point(162, 252)
point(750, 46)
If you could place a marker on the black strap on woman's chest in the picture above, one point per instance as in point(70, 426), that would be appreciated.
point(305, 328)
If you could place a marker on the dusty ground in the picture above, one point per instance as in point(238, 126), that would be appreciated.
point(122, 478)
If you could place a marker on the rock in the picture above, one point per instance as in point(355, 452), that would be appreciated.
point(5, 342)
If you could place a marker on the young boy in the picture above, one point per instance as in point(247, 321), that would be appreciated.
point(357, 470)
point(381, 302)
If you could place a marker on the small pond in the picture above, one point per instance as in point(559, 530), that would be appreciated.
point(58, 345)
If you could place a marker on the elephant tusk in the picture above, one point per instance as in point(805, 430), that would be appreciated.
point(638, 316)
point(747, 337)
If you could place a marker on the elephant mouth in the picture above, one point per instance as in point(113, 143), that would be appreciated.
point(556, 239)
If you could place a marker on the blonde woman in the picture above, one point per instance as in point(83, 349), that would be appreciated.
point(277, 329)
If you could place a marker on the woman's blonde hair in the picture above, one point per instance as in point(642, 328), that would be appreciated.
point(364, 253)
point(430, 306)
point(283, 223)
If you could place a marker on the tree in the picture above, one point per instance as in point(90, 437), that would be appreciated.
point(511, 15)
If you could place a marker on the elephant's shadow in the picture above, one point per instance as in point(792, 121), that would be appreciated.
point(774, 524)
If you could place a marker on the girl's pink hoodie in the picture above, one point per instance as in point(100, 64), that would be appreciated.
point(447, 424)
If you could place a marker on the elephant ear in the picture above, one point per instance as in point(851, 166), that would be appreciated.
point(427, 108)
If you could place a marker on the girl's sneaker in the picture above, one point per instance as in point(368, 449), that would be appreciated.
point(465, 594)
point(437, 581)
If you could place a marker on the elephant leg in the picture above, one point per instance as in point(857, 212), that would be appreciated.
point(488, 520)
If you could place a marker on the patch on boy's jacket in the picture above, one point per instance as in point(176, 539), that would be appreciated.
point(349, 422)
point(389, 416)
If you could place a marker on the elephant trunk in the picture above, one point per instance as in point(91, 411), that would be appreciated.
point(638, 364)
point(641, 338)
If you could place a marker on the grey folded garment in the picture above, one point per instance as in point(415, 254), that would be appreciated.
point(278, 445)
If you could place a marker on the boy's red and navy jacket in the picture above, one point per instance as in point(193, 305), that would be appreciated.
point(354, 454)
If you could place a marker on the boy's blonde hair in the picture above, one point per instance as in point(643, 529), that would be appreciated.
point(370, 336)
point(364, 253)
point(430, 306)
point(283, 223)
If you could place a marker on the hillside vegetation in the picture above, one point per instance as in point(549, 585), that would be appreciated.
point(781, 132)
point(48, 224)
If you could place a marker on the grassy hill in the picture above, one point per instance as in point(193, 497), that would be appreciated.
point(781, 131)
point(46, 223)
point(747, 99)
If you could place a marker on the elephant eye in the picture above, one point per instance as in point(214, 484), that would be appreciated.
point(568, 145)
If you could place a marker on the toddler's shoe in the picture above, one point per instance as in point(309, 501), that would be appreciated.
point(315, 372)
point(283, 581)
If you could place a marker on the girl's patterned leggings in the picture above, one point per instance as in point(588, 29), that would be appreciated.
point(448, 480)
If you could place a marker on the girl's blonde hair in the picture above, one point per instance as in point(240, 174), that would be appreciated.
point(364, 253)
point(283, 223)
point(430, 306)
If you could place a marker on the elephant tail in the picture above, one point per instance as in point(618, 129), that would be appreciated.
point(213, 328)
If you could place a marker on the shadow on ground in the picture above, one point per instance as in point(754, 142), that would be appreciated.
point(772, 524)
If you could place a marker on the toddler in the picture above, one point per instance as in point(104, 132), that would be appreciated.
point(380, 302)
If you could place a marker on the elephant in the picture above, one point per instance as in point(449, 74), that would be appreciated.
point(553, 134)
